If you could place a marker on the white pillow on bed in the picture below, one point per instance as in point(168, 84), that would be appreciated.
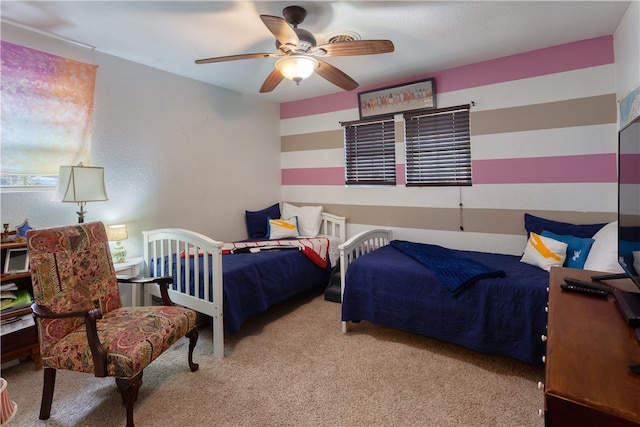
point(544, 252)
point(309, 218)
point(603, 255)
point(282, 228)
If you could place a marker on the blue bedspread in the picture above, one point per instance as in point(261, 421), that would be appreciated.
point(453, 270)
point(253, 282)
point(494, 315)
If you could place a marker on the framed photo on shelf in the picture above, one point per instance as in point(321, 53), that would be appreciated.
point(418, 95)
point(16, 261)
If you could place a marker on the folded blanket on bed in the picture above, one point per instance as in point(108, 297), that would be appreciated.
point(314, 248)
point(453, 270)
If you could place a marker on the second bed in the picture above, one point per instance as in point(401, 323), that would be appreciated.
point(502, 315)
point(233, 287)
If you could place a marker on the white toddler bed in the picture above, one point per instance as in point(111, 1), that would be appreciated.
point(163, 247)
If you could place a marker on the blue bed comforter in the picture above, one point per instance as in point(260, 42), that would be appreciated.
point(453, 271)
point(494, 315)
point(253, 282)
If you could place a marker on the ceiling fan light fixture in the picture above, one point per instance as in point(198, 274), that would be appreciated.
point(297, 67)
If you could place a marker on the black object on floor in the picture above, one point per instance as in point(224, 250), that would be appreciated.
point(332, 292)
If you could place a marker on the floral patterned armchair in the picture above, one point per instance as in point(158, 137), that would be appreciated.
point(81, 322)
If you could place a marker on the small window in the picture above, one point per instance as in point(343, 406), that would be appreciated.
point(47, 116)
point(370, 157)
point(438, 147)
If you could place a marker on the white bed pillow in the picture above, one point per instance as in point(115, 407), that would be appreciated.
point(544, 252)
point(282, 228)
point(309, 218)
point(603, 255)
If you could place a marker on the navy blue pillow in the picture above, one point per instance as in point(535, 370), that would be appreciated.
point(538, 225)
point(257, 220)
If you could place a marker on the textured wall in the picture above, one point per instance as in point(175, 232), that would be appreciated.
point(176, 152)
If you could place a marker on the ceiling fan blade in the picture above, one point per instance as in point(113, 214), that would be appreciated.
point(357, 47)
point(281, 30)
point(271, 81)
point(236, 57)
point(335, 76)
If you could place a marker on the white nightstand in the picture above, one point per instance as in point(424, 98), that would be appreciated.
point(132, 294)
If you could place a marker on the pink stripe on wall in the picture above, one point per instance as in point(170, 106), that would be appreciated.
point(313, 176)
point(400, 175)
point(561, 169)
point(320, 104)
point(532, 170)
point(556, 59)
point(629, 172)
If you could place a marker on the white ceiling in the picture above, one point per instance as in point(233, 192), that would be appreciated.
point(428, 35)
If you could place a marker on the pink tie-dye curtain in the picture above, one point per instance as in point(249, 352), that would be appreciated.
point(47, 111)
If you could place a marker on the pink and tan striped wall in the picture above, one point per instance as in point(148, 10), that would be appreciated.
point(544, 141)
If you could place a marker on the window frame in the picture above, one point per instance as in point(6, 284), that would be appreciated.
point(428, 135)
point(370, 160)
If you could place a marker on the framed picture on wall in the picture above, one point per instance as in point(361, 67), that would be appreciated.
point(418, 95)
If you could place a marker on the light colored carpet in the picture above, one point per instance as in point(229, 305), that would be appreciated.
point(293, 366)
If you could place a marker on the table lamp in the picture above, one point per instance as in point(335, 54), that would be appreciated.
point(118, 233)
point(80, 184)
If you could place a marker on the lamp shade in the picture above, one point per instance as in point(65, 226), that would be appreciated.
point(80, 184)
point(8, 407)
point(297, 67)
point(116, 233)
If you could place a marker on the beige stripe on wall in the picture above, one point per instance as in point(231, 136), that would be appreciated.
point(550, 115)
point(593, 110)
point(325, 140)
point(312, 141)
point(496, 221)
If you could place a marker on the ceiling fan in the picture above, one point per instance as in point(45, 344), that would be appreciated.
point(298, 53)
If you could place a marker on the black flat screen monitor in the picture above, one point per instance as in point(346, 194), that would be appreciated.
point(629, 216)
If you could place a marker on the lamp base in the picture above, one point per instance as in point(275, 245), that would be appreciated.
point(119, 253)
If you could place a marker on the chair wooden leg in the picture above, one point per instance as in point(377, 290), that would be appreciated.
point(47, 392)
point(193, 339)
point(129, 390)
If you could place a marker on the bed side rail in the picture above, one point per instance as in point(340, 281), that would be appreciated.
point(360, 244)
point(168, 243)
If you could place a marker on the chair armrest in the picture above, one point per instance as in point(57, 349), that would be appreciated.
point(163, 283)
point(44, 312)
point(98, 352)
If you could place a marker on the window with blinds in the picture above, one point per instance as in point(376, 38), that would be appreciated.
point(370, 156)
point(438, 147)
point(47, 116)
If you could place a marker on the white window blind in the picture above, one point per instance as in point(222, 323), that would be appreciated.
point(370, 157)
point(438, 147)
point(47, 115)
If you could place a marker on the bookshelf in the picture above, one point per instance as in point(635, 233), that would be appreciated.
point(22, 342)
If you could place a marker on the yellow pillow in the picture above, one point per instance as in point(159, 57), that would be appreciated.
point(282, 228)
point(544, 252)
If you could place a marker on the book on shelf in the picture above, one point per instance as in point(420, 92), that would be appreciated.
point(8, 287)
point(7, 295)
point(22, 299)
point(17, 323)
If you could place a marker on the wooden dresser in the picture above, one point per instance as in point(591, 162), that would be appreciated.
point(589, 347)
